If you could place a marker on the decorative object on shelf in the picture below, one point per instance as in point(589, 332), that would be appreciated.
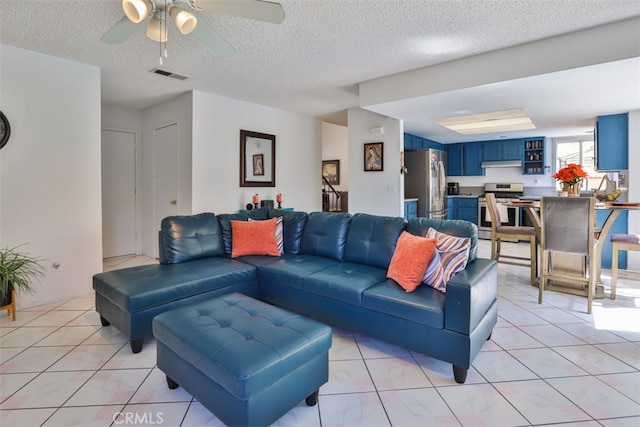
point(256, 201)
point(571, 176)
point(257, 159)
point(5, 130)
point(279, 200)
point(18, 271)
point(268, 203)
point(331, 171)
point(249, 206)
point(373, 157)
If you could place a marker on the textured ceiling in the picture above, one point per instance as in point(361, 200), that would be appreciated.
point(312, 62)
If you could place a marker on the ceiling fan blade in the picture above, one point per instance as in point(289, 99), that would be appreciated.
point(251, 9)
point(213, 40)
point(120, 32)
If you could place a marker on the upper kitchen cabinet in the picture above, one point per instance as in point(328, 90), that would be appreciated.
point(414, 143)
point(612, 142)
point(464, 159)
point(533, 163)
point(454, 159)
point(472, 159)
point(502, 150)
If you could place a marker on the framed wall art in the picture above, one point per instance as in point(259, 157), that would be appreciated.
point(257, 159)
point(373, 157)
point(331, 171)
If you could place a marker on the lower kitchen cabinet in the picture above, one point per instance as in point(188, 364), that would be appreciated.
point(619, 227)
point(465, 208)
point(410, 209)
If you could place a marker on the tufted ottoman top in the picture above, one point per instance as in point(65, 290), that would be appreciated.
point(242, 344)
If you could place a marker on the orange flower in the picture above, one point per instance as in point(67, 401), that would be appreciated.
point(570, 174)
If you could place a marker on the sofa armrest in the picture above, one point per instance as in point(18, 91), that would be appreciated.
point(470, 293)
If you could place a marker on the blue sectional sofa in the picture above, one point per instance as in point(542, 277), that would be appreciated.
point(333, 269)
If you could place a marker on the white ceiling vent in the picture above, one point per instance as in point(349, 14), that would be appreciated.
point(169, 74)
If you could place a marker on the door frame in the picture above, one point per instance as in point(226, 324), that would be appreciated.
point(137, 184)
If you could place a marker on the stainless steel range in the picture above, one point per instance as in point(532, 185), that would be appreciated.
point(504, 192)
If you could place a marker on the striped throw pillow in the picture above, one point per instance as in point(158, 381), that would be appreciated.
point(278, 234)
point(452, 254)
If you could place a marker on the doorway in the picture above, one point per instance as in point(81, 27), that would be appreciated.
point(119, 195)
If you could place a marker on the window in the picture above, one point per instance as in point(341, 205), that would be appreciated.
point(581, 152)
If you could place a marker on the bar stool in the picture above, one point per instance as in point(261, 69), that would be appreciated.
point(622, 242)
point(499, 232)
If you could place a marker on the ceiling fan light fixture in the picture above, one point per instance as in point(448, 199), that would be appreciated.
point(185, 21)
point(137, 10)
point(157, 30)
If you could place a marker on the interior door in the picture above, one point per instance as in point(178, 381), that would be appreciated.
point(118, 193)
point(166, 156)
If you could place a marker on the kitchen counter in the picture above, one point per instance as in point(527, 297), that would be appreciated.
point(466, 195)
point(411, 199)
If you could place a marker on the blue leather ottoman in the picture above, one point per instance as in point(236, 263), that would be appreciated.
point(246, 361)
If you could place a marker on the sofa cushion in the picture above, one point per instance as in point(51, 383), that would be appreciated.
point(453, 254)
point(254, 238)
point(325, 234)
point(454, 227)
point(290, 270)
point(344, 282)
point(372, 239)
point(424, 306)
point(187, 237)
point(292, 226)
point(225, 223)
point(137, 288)
point(410, 260)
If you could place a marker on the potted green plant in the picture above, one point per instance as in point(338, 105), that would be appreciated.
point(18, 270)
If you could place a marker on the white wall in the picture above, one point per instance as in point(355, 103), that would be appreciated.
point(378, 193)
point(335, 146)
point(217, 122)
point(50, 193)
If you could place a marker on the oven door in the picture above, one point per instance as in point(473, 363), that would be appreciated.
point(484, 219)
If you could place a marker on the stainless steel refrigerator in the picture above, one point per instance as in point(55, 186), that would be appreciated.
point(426, 179)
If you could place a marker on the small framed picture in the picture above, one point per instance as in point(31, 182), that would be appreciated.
point(258, 164)
point(373, 157)
point(331, 171)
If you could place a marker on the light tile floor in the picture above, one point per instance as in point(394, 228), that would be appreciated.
point(548, 364)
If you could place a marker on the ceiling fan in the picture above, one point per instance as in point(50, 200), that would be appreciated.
point(161, 11)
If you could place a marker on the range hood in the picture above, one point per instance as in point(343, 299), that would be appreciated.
point(502, 164)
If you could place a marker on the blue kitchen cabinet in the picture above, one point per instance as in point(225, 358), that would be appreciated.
point(451, 210)
point(612, 142)
point(454, 159)
point(619, 227)
point(407, 142)
point(468, 209)
point(502, 150)
point(465, 208)
point(533, 163)
point(410, 209)
point(491, 150)
point(472, 159)
point(511, 149)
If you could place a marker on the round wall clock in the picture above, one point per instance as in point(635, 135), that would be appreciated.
point(5, 130)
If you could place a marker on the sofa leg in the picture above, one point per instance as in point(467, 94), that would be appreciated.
point(104, 321)
point(460, 374)
point(312, 399)
point(136, 345)
point(172, 384)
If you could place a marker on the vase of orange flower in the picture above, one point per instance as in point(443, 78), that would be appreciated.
point(571, 176)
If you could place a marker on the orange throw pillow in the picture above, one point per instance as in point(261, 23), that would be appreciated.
point(254, 238)
point(410, 260)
